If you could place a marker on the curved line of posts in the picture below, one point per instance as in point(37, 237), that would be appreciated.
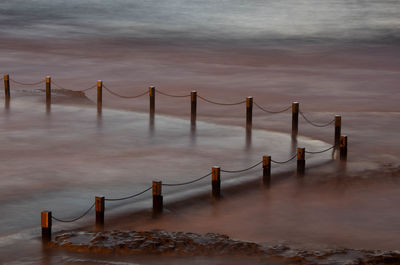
point(184, 183)
point(180, 96)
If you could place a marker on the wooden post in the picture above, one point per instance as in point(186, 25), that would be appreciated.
point(301, 162)
point(7, 94)
point(249, 112)
point(216, 182)
point(99, 206)
point(343, 147)
point(193, 109)
point(338, 125)
point(152, 95)
point(266, 170)
point(157, 198)
point(46, 226)
point(295, 119)
point(48, 90)
point(99, 96)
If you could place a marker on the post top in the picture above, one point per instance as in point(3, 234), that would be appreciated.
point(301, 148)
point(99, 197)
point(295, 102)
point(157, 181)
point(250, 97)
point(216, 167)
point(194, 91)
point(152, 87)
point(6, 77)
point(45, 212)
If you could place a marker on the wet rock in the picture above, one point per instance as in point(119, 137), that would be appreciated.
point(191, 244)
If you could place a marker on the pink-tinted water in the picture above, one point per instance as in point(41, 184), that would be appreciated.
point(353, 207)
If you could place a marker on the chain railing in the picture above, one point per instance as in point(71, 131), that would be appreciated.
point(316, 124)
point(74, 219)
point(186, 183)
point(172, 96)
point(124, 96)
point(272, 111)
point(220, 103)
point(81, 90)
point(27, 84)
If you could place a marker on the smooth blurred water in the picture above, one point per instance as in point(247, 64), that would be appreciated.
point(309, 20)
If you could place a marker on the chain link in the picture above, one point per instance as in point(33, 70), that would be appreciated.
point(122, 96)
point(241, 170)
point(75, 219)
point(186, 183)
point(27, 84)
point(173, 96)
point(61, 87)
point(222, 104)
point(284, 162)
point(129, 197)
point(270, 111)
point(315, 124)
point(319, 152)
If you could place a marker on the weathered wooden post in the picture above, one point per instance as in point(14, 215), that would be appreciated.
point(7, 94)
point(343, 147)
point(157, 198)
point(99, 96)
point(266, 170)
point(46, 226)
point(216, 182)
point(193, 109)
point(99, 206)
point(301, 162)
point(249, 113)
point(152, 95)
point(338, 125)
point(295, 119)
point(48, 90)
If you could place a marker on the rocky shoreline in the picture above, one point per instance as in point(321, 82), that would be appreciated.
point(159, 242)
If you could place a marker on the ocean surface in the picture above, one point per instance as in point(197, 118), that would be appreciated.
point(226, 20)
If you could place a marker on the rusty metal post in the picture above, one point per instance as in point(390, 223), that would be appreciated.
point(301, 161)
point(157, 198)
point(48, 90)
point(249, 113)
point(216, 182)
point(46, 221)
point(99, 96)
point(295, 119)
point(100, 207)
point(343, 147)
point(7, 94)
point(193, 109)
point(152, 95)
point(338, 130)
point(266, 170)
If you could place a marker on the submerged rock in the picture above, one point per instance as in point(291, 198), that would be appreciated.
point(191, 244)
point(155, 242)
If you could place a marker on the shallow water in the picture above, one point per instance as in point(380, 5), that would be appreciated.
point(335, 57)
